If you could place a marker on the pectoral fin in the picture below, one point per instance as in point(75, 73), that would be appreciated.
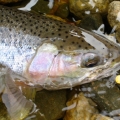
point(16, 103)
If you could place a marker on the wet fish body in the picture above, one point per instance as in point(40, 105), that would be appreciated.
point(53, 54)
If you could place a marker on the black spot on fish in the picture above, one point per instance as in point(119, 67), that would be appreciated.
point(89, 44)
point(52, 33)
point(59, 34)
point(66, 36)
point(36, 27)
point(35, 23)
point(24, 29)
point(46, 29)
point(73, 42)
point(82, 40)
point(64, 40)
point(59, 29)
point(79, 46)
point(53, 26)
point(44, 21)
point(20, 26)
point(61, 46)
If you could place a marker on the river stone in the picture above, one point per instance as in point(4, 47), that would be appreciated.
point(9, 1)
point(100, 117)
point(105, 94)
point(3, 112)
point(114, 13)
point(117, 35)
point(91, 22)
point(62, 10)
point(41, 7)
point(51, 103)
point(82, 7)
point(80, 108)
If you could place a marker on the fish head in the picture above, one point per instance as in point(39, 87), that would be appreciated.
point(83, 58)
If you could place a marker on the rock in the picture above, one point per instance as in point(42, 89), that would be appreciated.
point(80, 108)
point(100, 117)
point(105, 94)
point(114, 13)
point(9, 1)
point(117, 35)
point(82, 7)
point(91, 22)
point(51, 103)
point(62, 11)
point(41, 7)
point(113, 0)
point(3, 112)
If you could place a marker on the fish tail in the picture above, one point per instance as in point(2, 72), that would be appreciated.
point(16, 103)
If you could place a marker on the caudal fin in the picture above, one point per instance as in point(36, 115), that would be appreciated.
point(16, 103)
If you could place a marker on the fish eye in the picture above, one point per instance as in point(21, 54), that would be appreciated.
point(90, 60)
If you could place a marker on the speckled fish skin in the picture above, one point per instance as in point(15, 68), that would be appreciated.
point(22, 33)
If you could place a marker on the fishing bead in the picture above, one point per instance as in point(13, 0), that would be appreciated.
point(117, 79)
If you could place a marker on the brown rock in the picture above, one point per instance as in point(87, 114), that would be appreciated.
point(80, 108)
point(81, 7)
point(9, 1)
point(114, 13)
point(100, 117)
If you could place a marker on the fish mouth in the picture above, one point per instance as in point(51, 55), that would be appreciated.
point(94, 74)
point(102, 72)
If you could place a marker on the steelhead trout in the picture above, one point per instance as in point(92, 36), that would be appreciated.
point(53, 54)
point(48, 53)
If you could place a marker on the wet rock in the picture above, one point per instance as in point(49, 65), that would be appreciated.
point(91, 22)
point(114, 13)
point(62, 11)
point(117, 35)
point(3, 112)
point(41, 6)
point(9, 1)
point(100, 117)
point(51, 103)
point(80, 108)
point(82, 7)
point(105, 94)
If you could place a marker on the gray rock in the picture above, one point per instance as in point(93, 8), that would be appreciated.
point(91, 22)
point(104, 93)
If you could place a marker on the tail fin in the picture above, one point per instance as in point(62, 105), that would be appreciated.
point(16, 103)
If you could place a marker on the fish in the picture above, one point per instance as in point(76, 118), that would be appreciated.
point(48, 54)
point(52, 54)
